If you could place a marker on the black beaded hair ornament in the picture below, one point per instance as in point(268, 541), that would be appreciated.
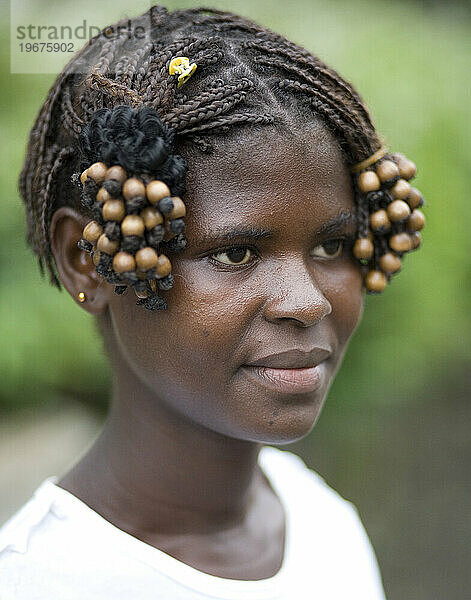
point(389, 219)
point(131, 185)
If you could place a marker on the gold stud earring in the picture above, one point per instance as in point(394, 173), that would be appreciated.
point(81, 297)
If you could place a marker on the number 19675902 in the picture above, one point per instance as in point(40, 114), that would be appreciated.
point(46, 47)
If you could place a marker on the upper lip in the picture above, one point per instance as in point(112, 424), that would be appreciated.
point(292, 359)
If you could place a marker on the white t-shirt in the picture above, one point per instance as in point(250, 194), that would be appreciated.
point(57, 548)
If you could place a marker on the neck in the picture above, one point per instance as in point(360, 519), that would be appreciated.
point(154, 470)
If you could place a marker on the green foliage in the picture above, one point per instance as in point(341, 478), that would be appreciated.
point(414, 75)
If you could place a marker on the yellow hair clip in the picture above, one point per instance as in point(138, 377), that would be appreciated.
point(180, 66)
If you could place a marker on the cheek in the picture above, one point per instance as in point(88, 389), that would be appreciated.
point(346, 295)
point(193, 341)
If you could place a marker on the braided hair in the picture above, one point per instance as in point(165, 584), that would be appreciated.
point(248, 76)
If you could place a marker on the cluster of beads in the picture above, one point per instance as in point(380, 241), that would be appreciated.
point(391, 219)
point(134, 220)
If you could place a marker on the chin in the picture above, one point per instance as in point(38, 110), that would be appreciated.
point(288, 423)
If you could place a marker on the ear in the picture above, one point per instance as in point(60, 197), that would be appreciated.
point(75, 267)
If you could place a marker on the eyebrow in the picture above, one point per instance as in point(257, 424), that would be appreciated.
point(338, 223)
point(234, 232)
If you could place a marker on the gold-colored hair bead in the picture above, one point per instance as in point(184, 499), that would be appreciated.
point(146, 258)
point(97, 172)
point(164, 266)
point(415, 199)
point(179, 210)
point(81, 296)
point(407, 168)
point(133, 188)
point(387, 170)
point(400, 242)
point(398, 156)
point(132, 225)
point(103, 196)
point(156, 190)
point(368, 181)
point(141, 293)
point(151, 217)
point(116, 173)
point(398, 210)
point(379, 221)
point(106, 245)
point(114, 210)
point(92, 232)
point(96, 258)
point(416, 240)
point(390, 263)
point(84, 177)
point(416, 220)
point(375, 281)
point(401, 189)
point(124, 262)
point(363, 248)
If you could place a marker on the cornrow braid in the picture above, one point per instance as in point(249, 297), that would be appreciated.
point(316, 67)
point(247, 76)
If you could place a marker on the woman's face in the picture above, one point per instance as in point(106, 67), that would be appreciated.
point(238, 299)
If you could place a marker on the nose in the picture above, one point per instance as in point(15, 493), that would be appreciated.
point(296, 297)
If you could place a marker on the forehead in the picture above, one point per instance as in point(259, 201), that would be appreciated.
point(269, 179)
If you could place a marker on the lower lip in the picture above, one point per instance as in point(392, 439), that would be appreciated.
point(291, 381)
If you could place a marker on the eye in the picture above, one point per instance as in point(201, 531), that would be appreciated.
point(237, 255)
point(329, 249)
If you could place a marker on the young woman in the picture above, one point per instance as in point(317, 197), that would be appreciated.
point(234, 306)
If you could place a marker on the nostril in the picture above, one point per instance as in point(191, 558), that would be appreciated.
point(297, 322)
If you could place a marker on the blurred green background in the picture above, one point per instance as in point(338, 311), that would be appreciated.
point(392, 436)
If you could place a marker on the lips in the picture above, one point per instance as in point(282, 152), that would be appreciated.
point(292, 359)
point(293, 372)
point(289, 381)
